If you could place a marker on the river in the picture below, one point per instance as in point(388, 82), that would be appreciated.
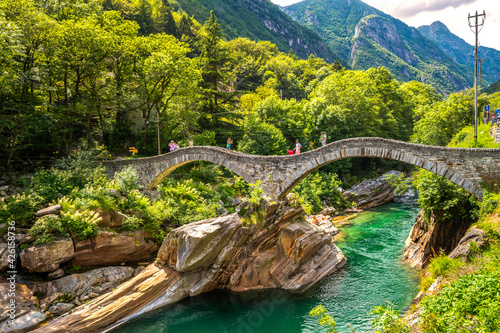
point(374, 274)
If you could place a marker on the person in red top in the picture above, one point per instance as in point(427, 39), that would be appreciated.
point(297, 147)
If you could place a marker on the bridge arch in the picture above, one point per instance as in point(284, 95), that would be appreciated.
point(279, 174)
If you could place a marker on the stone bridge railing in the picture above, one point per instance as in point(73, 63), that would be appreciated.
point(466, 167)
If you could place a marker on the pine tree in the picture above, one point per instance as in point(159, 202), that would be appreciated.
point(218, 98)
point(165, 21)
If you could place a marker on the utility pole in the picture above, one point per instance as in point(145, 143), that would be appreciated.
point(476, 25)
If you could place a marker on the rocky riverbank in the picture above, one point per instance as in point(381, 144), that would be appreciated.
point(281, 249)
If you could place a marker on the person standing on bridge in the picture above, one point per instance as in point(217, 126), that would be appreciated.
point(323, 139)
point(229, 143)
point(191, 143)
point(297, 147)
point(171, 145)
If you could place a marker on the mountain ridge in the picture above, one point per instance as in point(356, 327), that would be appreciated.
point(462, 52)
point(260, 20)
point(355, 30)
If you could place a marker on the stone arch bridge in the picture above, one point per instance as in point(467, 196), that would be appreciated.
point(466, 167)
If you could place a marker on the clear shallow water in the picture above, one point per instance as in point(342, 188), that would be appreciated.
point(374, 273)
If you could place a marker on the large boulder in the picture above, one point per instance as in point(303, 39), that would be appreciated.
point(371, 192)
point(47, 257)
point(197, 245)
point(23, 323)
point(111, 219)
point(76, 286)
point(110, 248)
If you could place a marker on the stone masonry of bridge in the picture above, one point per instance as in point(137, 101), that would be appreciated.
point(466, 167)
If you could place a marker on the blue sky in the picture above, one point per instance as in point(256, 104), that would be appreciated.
point(453, 13)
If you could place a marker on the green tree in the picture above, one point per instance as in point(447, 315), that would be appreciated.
point(218, 98)
point(262, 138)
point(163, 73)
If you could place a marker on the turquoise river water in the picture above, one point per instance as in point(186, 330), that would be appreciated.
point(374, 274)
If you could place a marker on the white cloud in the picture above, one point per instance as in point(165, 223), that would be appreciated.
point(404, 10)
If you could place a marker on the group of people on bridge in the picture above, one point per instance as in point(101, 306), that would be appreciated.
point(174, 146)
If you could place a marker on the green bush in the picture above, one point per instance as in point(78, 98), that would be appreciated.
point(126, 180)
point(46, 229)
point(20, 208)
point(443, 266)
point(324, 319)
point(441, 198)
point(68, 174)
point(81, 224)
point(387, 320)
point(131, 223)
point(470, 304)
point(94, 197)
point(319, 189)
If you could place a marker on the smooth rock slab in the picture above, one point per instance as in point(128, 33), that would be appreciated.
point(23, 323)
point(55, 209)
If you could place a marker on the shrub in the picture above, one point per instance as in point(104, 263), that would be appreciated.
point(81, 224)
point(324, 319)
point(471, 303)
point(388, 320)
point(320, 189)
point(443, 266)
point(441, 198)
point(46, 229)
point(20, 208)
point(131, 223)
point(126, 180)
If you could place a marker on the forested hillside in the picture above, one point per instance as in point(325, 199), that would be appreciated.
point(462, 52)
point(79, 76)
point(367, 37)
point(259, 20)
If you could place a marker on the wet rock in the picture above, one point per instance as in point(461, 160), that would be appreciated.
point(60, 308)
point(4, 188)
point(371, 193)
point(113, 249)
point(55, 209)
point(47, 257)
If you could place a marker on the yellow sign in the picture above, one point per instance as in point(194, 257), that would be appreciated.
point(133, 150)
